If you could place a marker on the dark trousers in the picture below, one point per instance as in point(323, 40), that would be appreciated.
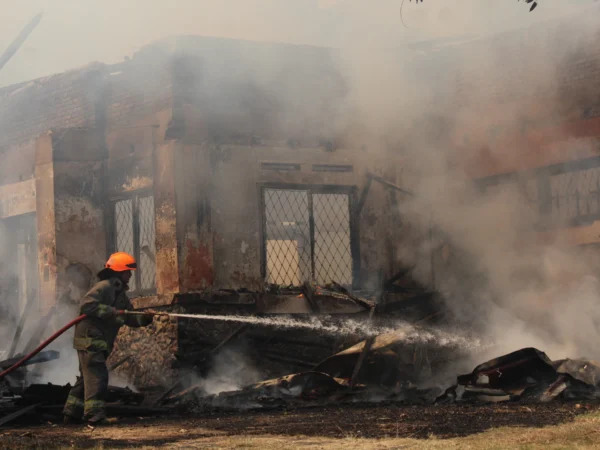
point(87, 396)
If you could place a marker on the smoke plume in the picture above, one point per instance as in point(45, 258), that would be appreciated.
point(425, 97)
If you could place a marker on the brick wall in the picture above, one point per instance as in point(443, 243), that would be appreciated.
point(514, 89)
point(59, 101)
point(140, 87)
point(93, 96)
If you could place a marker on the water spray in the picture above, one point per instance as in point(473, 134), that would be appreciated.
point(408, 333)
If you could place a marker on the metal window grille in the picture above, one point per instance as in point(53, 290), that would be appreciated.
point(568, 194)
point(576, 195)
point(308, 237)
point(134, 233)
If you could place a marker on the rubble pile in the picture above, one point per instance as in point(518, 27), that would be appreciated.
point(45, 402)
point(391, 370)
point(528, 375)
point(404, 366)
point(147, 353)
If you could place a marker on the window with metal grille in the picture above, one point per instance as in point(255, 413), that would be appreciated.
point(134, 233)
point(575, 195)
point(308, 236)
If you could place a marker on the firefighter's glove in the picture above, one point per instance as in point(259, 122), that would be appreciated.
point(106, 312)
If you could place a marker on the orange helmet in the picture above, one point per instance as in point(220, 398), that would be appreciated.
point(121, 262)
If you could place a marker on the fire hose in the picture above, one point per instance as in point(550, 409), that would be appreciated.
point(52, 338)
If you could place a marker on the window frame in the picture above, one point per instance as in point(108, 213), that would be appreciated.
point(545, 202)
point(134, 196)
point(312, 189)
point(545, 176)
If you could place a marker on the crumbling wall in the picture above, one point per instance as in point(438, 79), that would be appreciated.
point(59, 101)
point(238, 174)
point(79, 209)
point(281, 105)
point(150, 353)
point(194, 218)
point(198, 141)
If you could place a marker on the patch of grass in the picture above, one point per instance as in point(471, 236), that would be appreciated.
point(582, 432)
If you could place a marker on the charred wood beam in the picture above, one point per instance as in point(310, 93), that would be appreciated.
point(370, 340)
point(123, 395)
point(16, 44)
point(286, 354)
point(235, 333)
point(309, 294)
point(359, 301)
point(361, 359)
point(48, 355)
point(165, 394)
point(201, 359)
point(363, 195)
point(390, 185)
point(15, 415)
point(401, 274)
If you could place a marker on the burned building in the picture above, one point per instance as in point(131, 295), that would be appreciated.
point(538, 125)
point(215, 162)
point(232, 171)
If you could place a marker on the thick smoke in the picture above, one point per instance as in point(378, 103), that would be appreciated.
point(73, 33)
point(518, 287)
point(400, 101)
point(230, 370)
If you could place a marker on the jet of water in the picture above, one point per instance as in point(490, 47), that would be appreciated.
point(405, 332)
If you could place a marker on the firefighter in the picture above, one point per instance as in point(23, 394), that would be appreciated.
point(95, 336)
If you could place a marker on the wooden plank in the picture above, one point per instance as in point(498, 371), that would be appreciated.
point(17, 198)
point(390, 185)
point(166, 393)
point(239, 330)
point(370, 340)
point(12, 416)
point(363, 195)
point(401, 274)
point(361, 360)
point(359, 301)
point(48, 355)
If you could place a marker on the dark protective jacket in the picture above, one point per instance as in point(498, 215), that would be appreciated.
point(97, 333)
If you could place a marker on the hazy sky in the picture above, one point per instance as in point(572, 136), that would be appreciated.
point(75, 32)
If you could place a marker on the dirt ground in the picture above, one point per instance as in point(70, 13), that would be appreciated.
point(355, 426)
